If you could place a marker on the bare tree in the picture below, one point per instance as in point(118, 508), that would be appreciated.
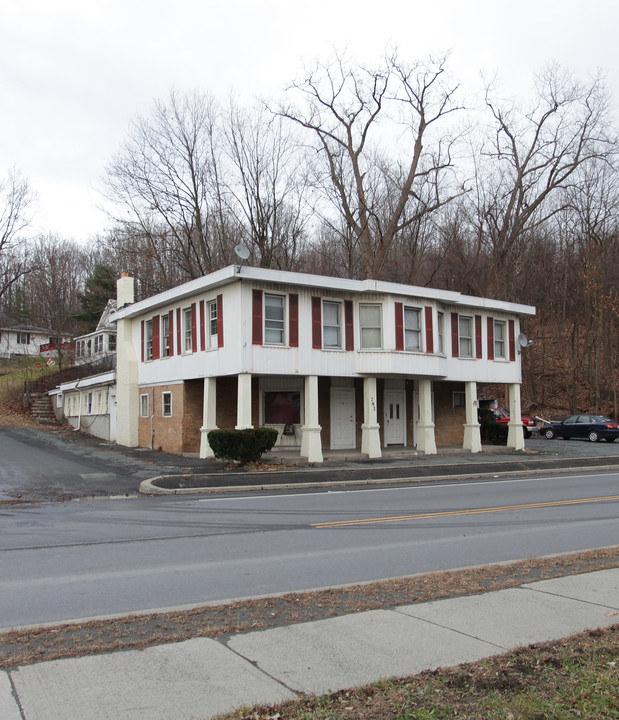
point(349, 110)
point(166, 179)
point(16, 200)
point(526, 158)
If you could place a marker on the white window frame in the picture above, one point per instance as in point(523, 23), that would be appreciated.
point(187, 332)
point(165, 335)
point(411, 312)
point(22, 338)
point(144, 405)
point(500, 344)
point(212, 322)
point(148, 340)
point(441, 333)
point(332, 327)
point(88, 403)
point(466, 340)
point(166, 394)
point(275, 325)
point(365, 329)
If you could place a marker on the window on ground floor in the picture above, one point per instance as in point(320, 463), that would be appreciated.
point(144, 406)
point(166, 401)
point(282, 407)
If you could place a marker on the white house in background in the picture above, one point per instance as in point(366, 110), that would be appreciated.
point(98, 344)
point(88, 404)
point(28, 341)
point(331, 363)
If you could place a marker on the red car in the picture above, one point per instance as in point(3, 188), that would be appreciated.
point(501, 416)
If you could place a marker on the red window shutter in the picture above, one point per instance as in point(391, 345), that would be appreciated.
point(156, 344)
point(316, 323)
point(256, 313)
point(142, 343)
point(293, 320)
point(478, 353)
point(490, 338)
point(194, 329)
point(171, 332)
point(512, 341)
point(179, 339)
point(399, 326)
point(455, 352)
point(429, 331)
point(202, 333)
point(220, 321)
point(350, 337)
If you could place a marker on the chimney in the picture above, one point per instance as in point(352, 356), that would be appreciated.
point(125, 290)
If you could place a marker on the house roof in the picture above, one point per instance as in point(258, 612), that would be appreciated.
point(235, 273)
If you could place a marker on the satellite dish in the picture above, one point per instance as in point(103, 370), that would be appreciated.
point(241, 251)
point(522, 340)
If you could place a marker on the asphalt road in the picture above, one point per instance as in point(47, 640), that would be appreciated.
point(63, 561)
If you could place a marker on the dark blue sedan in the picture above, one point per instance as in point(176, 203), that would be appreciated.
point(592, 427)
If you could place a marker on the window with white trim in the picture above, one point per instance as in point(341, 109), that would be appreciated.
point(465, 336)
point(441, 339)
point(370, 323)
point(212, 323)
point(459, 399)
point(88, 404)
point(499, 340)
point(98, 341)
point(166, 404)
point(412, 328)
point(187, 329)
point(111, 340)
point(148, 340)
point(331, 324)
point(144, 401)
point(274, 319)
point(165, 336)
point(23, 338)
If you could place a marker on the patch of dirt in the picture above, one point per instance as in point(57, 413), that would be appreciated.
point(24, 647)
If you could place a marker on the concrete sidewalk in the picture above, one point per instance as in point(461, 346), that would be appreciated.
point(200, 678)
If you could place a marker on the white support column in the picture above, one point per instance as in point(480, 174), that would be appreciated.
point(370, 436)
point(243, 404)
point(311, 445)
point(127, 397)
point(515, 432)
point(209, 415)
point(426, 440)
point(472, 430)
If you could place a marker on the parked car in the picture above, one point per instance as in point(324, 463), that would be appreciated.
point(593, 427)
point(501, 416)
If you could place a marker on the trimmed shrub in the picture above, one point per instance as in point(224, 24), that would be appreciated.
point(244, 446)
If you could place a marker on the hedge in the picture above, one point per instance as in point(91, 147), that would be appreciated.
point(244, 446)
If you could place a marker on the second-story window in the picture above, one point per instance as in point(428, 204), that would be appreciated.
point(331, 324)
point(412, 328)
point(441, 331)
point(465, 336)
point(98, 341)
point(165, 336)
point(212, 323)
point(499, 340)
point(148, 340)
point(370, 322)
point(274, 319)
point(111, 339)
point(23, 338)
point(187, 329)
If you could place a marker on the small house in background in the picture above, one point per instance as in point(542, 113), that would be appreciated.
point(29, 341)
point(101, 343)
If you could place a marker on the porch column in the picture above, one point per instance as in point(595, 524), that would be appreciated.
point(209, 414)
point(515, 432)
point(370, 437)
point(311, 445)
point(472, 430)
point(127, 393)
point(426, 440)
point(243, 403)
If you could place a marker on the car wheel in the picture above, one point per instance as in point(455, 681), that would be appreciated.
point(549, 433)
point(594, 436)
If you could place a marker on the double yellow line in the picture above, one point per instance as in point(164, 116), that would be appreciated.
point(455, 513)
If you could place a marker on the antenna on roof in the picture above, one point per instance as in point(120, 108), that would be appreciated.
point(242, 252)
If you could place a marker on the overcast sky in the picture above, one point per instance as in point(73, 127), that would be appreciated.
point(74, 73)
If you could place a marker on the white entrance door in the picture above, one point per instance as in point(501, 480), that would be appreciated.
point(395, 417)
point(342, 418)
